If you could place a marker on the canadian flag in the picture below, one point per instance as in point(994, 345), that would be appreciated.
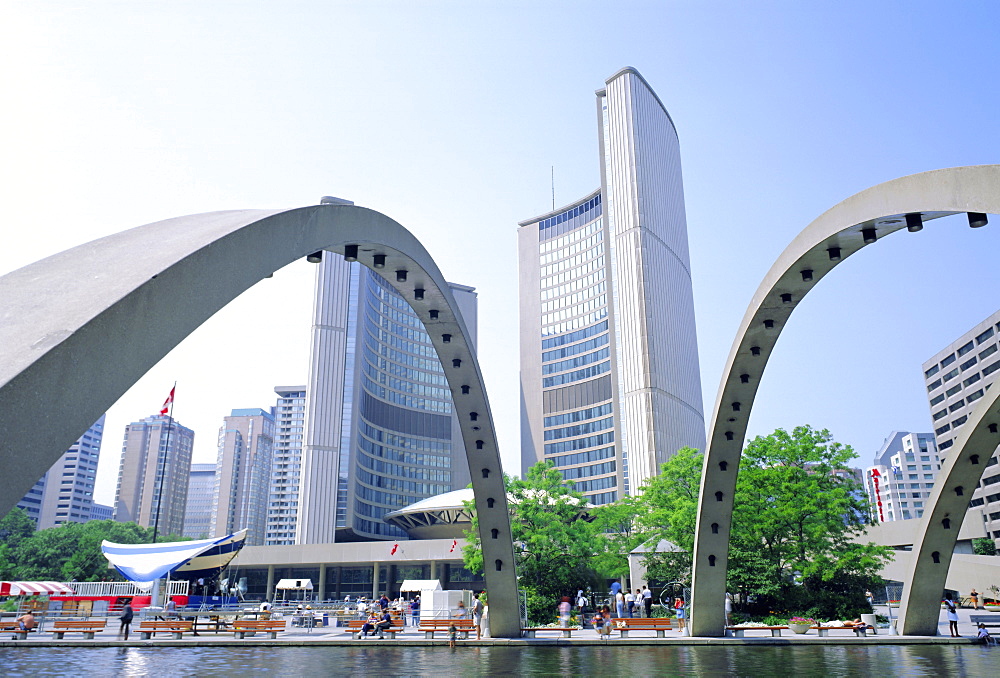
point(454, 543)
point(168, 401)
point(395, 547)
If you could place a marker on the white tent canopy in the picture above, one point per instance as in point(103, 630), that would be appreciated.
point(420, 585)
point(294, 585)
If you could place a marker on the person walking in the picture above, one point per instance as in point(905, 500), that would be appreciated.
point(974, 599)
point(564, 608)
point(952, 617)
point(415, 610)
point(126, 621)
point(620, 603)
point(870, 598)
point(629, 604)
point(647, 601)
point(581, 604)
point(729, 608)
point(477, 615)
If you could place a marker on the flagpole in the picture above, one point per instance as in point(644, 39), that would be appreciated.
point(160, 465)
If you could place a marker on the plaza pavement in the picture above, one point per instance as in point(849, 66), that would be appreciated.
point(331, 635)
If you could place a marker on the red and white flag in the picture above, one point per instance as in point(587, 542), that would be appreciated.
point(168, 402)
point(454, 543)
point(395, 547)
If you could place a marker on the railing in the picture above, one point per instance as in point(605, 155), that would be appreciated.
point(175, 587)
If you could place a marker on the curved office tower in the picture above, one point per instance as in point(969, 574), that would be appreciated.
point(380, 432)
point(610, 384)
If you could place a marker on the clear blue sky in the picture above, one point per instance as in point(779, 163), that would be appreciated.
point(447, 116)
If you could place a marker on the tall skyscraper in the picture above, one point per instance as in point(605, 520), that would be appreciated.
point(380, 429)
point(286, 466)
point(902, 476)
point(243, 474)
point(154, 473)
point(65, 494)
point(200, 501)
point(957, 377)
point(610, 382)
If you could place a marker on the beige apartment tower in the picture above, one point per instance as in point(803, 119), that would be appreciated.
point(153, 475)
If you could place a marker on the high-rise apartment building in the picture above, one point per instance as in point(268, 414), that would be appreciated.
point(610, 382)
point(957, 377)
point(154, 473)
point(243, 474)
point(286, 466)
point(902, 476)
point(200, 501)
point(65, 494)
point(102, 512)
point(380, 429)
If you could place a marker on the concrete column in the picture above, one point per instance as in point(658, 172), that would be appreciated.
point(322, 581)
point(375, 568)
point(269, 594)
point(340, 579)
point(434, 569)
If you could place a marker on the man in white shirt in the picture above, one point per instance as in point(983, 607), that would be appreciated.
point(647, 601)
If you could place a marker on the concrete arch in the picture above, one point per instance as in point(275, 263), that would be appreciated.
point(129, 298)
point(835, 235)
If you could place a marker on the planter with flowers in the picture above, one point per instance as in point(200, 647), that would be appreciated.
point(992, 607)
point(800, 624)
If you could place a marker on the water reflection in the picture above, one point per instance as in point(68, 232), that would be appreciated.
point(608, 660)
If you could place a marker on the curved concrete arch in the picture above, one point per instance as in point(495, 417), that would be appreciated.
point(920, 605)
point(129, 298)
point(830, 239)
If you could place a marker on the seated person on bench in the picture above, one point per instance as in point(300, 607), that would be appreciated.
point(384, 623)
point(371, 624)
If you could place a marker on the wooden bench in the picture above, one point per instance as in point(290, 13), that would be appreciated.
point(658, 624)
point(241, 627)
point(354, 628)
point(737, 631)
point(176, 628)
point(566, 631)
point(15, 629)
point(464, 627)
point(86, 627)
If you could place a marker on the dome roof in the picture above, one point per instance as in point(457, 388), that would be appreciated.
point(442, 516)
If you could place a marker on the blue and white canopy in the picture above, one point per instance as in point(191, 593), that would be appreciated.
point(190, 560)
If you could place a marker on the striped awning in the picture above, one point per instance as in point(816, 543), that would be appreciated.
point(33, 588)
point(146, 562)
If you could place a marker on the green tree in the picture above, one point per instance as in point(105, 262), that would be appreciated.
point(619, 523)
point(796, 522)
point(668, 510)
point(15, 527)
point(64, 553)
point(984, 546)
point(553, 543)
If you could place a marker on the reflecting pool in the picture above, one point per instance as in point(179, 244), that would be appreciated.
point(621, 660)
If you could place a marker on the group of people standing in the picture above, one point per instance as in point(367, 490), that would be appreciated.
point(628, 604)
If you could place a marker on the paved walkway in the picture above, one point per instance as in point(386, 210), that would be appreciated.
point(329, 635)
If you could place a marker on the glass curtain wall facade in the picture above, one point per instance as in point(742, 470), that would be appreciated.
point(65, 494)
point(610, 382)
point(380, 431)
